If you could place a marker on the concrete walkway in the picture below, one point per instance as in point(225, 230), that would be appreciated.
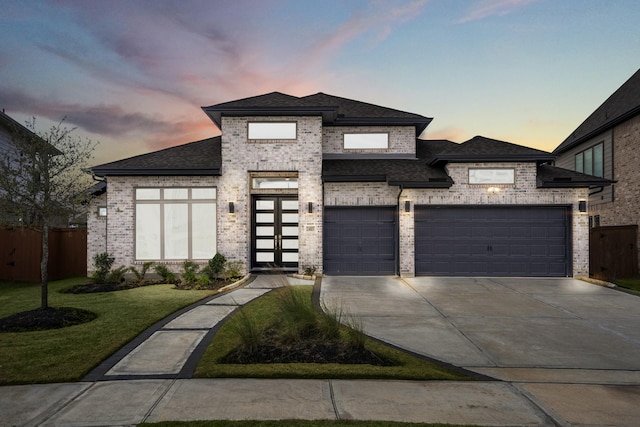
point(149, 379)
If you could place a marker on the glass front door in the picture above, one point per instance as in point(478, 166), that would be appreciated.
point(274, 241)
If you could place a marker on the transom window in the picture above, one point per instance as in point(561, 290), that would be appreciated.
point(366, 141)
point(175, 223)
point(272, 130)
point(591, 161)
point(491, 176)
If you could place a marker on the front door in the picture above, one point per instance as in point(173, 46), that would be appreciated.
point(274, 240)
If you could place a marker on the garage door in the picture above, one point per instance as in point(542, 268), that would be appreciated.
point(360, 240)
point(492, 241)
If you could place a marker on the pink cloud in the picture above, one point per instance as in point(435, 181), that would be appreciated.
point(485, 8)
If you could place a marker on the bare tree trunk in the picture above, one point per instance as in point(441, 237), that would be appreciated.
point(44, 267)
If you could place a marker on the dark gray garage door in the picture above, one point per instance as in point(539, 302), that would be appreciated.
point(492, 241)
point(360, 240)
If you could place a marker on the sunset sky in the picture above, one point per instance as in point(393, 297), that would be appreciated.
point(134, 74)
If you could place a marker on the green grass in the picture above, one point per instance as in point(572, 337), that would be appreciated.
point(294, 423)
point(68, 354)
point(631, 284)
point(265, 311)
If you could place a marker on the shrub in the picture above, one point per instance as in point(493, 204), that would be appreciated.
point(297, 314)
point(167, 275)
point(139, 274)
point(203, 282)
point(190, 273)
point(246, 328)
point(233, 269)
point(117, 275)
point(216, 266)
point(102, 263)
point(310, 270)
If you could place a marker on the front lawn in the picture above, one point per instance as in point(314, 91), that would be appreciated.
point(630, 284)
point(265, 314)
point(68, 354)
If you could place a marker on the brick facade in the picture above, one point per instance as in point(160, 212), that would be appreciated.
point(625, 208)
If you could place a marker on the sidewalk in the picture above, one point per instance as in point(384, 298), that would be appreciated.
point(150, 380)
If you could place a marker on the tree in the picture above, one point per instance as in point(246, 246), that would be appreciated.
point(42, 182)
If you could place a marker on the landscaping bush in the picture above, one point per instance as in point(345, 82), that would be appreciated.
point(189, 273)
point(140, 274)
point(102, 263)
point(216, 266)
point(167, 275)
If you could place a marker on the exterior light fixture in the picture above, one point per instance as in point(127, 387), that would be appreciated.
point(407, 206)
point(232, 208)
point(310, 207)
point(493, 190)
point(582, 206)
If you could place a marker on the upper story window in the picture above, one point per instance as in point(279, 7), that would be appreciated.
point(272, 130)
point(491, 176)
point(366, 141)
point(591, 161)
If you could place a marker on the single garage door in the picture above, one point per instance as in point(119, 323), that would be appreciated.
point(360, 240)
point(492, 241)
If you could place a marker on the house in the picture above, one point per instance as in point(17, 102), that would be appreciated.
point(347, 187)
point(606, 145)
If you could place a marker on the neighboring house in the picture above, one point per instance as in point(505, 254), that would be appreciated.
point(607, 144)
point(347, 187)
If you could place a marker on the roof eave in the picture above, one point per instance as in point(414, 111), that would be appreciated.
point(354, 178)
point(154, 172)
point(328, 114)
point(497, 158)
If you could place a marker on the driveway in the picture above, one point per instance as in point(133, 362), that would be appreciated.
point(516, 329)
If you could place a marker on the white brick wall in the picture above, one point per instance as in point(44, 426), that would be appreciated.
point(240, 157)
point(402, 139)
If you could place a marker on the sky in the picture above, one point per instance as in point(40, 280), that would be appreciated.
point(133, 75)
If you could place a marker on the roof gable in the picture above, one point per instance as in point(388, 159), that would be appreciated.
point(195, 158)
point(335, 111)
point(482, 149)
point(622, 105)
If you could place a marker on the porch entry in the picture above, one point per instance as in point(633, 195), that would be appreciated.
point(274, 240)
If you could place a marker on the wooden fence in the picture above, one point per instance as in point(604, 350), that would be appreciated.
point(613, 252)
point(21, 251)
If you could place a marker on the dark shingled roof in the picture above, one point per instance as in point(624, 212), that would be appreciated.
point(335, 111)
point(195, 158)
point(622, 105)
point(482, 149)
point(553, 177)
point(409, 173)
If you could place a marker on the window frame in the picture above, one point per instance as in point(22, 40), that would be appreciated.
point(163, 200)
point(360, 134)
point(581, 159)
point(285, 137)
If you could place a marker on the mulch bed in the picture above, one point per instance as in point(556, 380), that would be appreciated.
point(273, 350)
point(43, 319)
point(89, 288)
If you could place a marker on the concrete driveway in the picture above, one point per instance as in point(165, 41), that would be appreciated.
point(516, 329)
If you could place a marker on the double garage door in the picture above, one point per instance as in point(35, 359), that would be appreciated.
point(451, 241)
point(492, 241)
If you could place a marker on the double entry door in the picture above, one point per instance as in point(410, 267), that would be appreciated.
point(274, 240)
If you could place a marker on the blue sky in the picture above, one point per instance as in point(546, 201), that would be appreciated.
point(134, 74)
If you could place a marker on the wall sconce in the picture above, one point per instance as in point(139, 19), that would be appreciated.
point(407, 206)
point(310, 207)
point(582, 206)
point(493, 190)
point(102, 211)
point(232, 208)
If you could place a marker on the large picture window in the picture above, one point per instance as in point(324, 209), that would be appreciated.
point(175, 223)
point(591, 161)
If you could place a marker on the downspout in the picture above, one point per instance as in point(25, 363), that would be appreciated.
point(398, 231)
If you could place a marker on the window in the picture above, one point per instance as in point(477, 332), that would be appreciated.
point(175, 223)
point(591, 161)
point(274, 183)
point(272, 130)
point(366, 141)
point(491, 176)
